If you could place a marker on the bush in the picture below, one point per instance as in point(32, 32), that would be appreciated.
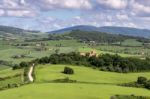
point(141, 80)
point(16, 66)
point(65, 80)
point(68, 70)
point(24, 64)
point(147, 84)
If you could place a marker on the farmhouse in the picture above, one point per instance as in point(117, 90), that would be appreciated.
point(90, 54)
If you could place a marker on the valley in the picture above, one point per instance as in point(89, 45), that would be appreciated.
point(46, 79)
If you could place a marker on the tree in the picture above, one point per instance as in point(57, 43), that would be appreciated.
point(24, 64)
point(68, 70)
point(147, 84)
point(57, 51)
point(141, 80)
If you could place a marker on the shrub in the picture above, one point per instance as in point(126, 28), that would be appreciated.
point(68, 70)
point(147, 84)
point(24, 64)
point(141, 80)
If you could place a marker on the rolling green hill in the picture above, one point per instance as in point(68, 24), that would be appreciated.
point(91, 84)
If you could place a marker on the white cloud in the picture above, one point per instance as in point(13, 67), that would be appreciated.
point(141, 8)
point(67, 4)
point(122, 17)
point(17, 8)
point(2, 12)
point(113, 4)
point(20, 13)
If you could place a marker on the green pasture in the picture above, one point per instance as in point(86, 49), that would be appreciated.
point(12, 78)
point(88, 49)
point(91, 84)
point(131, 42)
point(46, 73)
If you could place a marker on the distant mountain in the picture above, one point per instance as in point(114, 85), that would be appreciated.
point(79, 27)
point(126, 31)
point(108, 29)
point(8, 29)
point(8, 32)
point(14, 30)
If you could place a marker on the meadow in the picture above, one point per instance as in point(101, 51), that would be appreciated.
point(91, 84)
point(8, 50)
point(10, 77)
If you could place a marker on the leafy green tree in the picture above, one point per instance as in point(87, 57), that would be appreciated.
point(141, 80)
point(68, 70)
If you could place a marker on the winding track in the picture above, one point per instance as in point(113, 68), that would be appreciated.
point(31, 79)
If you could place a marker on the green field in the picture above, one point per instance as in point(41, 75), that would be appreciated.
point(7, 53)
point(91, 84)
point(131, 42)
point(8, 50)
point(69, 91)
point(12, 78)
point(88, 49)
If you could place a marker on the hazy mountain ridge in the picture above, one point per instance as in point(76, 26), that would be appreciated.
point(108, 29)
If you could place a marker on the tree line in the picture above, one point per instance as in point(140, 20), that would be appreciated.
point(105, 62)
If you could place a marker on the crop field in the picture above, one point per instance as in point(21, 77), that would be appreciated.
point(91, 84)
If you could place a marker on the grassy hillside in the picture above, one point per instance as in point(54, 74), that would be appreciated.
point(84, 74)
point(91, 84)
point(131, 42)
point(9, 76)
point(69, 91)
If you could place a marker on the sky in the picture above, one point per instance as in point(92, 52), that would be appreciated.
point(48, 15)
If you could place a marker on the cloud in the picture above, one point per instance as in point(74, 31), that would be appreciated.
point(140, 9)
point(113, 4)
point(2, 12)
point(20, 13)
point(41, 13)
point(17, 8)
point(65, 4)
point(122, 17)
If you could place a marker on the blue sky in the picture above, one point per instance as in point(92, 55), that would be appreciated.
point(47, 15)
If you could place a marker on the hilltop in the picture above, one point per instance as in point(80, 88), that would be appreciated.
point(108, 29)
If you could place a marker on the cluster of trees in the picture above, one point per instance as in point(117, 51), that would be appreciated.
point(106, 62)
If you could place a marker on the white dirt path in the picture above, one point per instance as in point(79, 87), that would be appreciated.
point(30, 74)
